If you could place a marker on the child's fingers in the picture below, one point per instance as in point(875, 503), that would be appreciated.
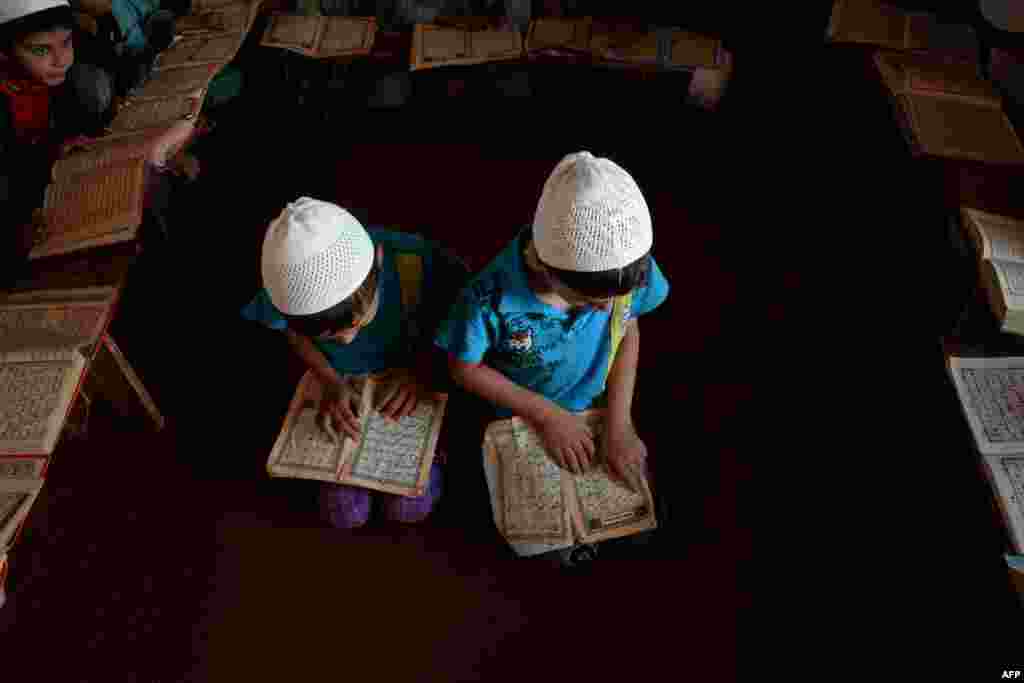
point(327, 424)
point(408, 406)
point(350, 428)
point(573, 458)
point(586, 450)
point(353, 407)
point(392, 406)
point(390, 391)
point(619, 472)
point(559, 457)
point(346, 421)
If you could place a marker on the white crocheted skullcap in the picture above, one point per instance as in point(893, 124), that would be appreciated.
point(315, 255)
point(591, 216)
point(16, 9)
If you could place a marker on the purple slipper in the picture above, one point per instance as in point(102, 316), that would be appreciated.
point(344, 507)
point(413, 510)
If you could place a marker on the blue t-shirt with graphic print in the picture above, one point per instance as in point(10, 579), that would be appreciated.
point(387, 341)
point(562, 355)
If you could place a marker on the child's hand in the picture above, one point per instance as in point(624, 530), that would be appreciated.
point(340, 406)
point(624, 453)
point(79, 142)
point(401, 396)
point(569, 440)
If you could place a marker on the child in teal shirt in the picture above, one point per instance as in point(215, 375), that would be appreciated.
point(530, 333)
point(337, 292)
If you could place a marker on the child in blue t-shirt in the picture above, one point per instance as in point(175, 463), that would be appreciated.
point(353, 302)
point(531, 332)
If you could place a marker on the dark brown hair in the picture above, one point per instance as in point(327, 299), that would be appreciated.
point(342, 315)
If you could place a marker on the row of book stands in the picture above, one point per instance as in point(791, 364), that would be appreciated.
point(471, 41)
point(56, 351)
point(457, 41)
point(950, 112)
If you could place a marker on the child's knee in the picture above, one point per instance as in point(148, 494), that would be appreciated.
point(413, 510)
point(344, 507)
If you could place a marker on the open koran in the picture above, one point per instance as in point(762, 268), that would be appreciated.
point(991, 393)
point(343, 36)
point(321, 36)
point(217, 49)
point(694, 50)
point(924, 75)
point(882, 24)
point(540, 507)
point(436, 45)
point(292, 31)
point(946, 110)
point(37, 387)
point(65, 318)
point(558, 36)
point(16, 498)
point(228, 18)
point(144, 114)
point(999, 245)
point(103, 152)
point(140, 144)
point(394, 457)
point(93, 208)
point(189, 81)
point(665, 48)
point(23, 466)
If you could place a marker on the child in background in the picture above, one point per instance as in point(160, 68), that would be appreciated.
point(47, 102)
point(353, 302)
point(531, 332)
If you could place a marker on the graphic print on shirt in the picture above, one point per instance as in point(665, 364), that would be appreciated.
point(526, 344)
point(518, 348)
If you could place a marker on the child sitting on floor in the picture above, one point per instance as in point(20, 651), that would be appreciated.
point(531, 332)
point(353, 302)
point(47, 101)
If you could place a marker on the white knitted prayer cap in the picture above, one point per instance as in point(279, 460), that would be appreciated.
point(315, 255)
point(591, 216)
point(16, 9)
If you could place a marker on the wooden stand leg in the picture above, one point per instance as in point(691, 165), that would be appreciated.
point(77, 424)
point(3, 580)
point(113, 378)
